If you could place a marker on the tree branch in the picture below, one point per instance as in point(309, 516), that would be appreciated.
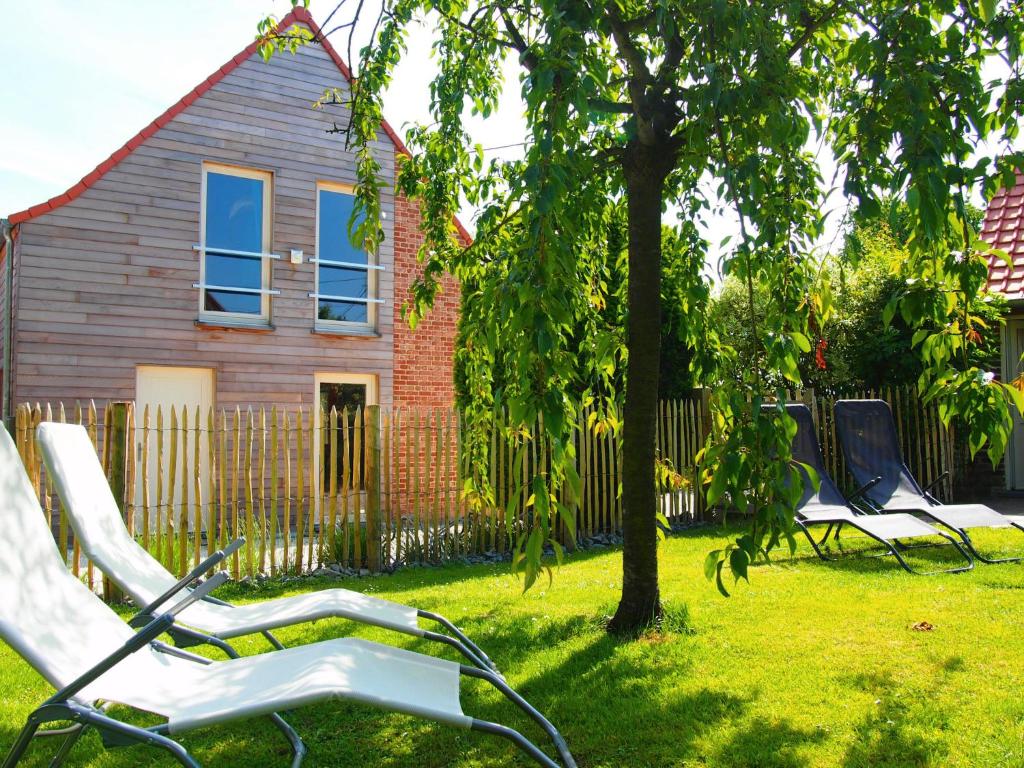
point(674, 49)
point(639, 77)
point(813, 26)
point(608, 105)
point(639, 23)
point(634, 58)
point(469, 27)
point(526, 57)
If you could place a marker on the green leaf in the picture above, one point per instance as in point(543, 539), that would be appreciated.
point(738, 560)
point(717, 487)
point(711, 563)
point(801, 341)
point(718, 579)
point(987, 10)
point(1015, 396)
point(812, 475)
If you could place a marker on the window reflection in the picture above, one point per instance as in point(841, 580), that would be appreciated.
point(341, 397)
point(335, 245)
point(234, 221)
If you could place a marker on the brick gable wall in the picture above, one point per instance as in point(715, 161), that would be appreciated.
point(423, 374)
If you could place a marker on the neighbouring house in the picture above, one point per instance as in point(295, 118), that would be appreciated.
point(1003, 228)
point(207, 261)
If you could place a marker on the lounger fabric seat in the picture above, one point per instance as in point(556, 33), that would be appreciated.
point(82, 486)
point(968, 515)
point(828, 506)
point(894, 526)
point(871, 445)
point(63, 630)
point(193, 695)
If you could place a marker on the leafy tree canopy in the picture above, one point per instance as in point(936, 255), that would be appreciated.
point(679, 292)
point(643, 104)
point(856, 350)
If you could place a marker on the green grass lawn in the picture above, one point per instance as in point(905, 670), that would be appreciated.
point(813, 664)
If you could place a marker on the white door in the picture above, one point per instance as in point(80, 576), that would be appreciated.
point(161, 388)
point(1012, 350)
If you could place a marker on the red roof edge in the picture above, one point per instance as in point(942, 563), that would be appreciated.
point(297, 14)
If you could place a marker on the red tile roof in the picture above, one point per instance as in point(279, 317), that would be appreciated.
point(1003, 228)
point(296, 15)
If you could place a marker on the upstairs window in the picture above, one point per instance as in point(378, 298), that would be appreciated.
point(345, 296)
point(234, 271)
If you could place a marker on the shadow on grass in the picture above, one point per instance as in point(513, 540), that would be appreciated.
point(766, 744)
point(604, 697)
point(862, 554)
point(902, 730)
point(404, 579)
point(610, 702)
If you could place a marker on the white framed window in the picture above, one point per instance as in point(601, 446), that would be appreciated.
point(234, 244)
point(345, 295)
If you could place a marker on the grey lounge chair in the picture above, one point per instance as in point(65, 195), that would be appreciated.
point(829, 507)
point(82, 486)
point(871, 445)
point(81, 647)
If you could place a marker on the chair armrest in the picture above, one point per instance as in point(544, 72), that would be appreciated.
point(138, 641)
point(927, 489)
point(217, 557)
point(860, 492)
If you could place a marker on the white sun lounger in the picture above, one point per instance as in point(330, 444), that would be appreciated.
point(82, 486)
point(81, 647)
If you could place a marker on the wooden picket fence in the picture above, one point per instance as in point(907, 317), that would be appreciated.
point(377, 488)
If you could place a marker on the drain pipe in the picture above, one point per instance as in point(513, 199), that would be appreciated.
point(5, 406)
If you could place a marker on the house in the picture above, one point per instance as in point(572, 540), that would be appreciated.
point(1003, 228)
point(207, 261)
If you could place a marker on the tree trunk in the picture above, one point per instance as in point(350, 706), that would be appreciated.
point(645, 168)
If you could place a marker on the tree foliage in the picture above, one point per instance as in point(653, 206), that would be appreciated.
point(856, 350)
point(697, 105)
point(679, 292)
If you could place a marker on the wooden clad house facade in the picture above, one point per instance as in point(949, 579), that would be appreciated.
point(207, 261)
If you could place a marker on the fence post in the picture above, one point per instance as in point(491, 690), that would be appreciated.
point(807, 398)
point(116, 449)
point(704, 395)
point(371, 468)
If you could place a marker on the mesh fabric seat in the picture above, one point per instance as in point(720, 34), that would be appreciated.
point(828, 506)
point(871, 445)
point(82, 486)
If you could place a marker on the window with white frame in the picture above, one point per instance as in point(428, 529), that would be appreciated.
point(234, 263)
point(345, 295)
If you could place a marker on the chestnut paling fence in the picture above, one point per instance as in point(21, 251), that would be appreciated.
point(379, 487)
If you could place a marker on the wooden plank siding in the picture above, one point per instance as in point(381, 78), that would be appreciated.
point(105, 281)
